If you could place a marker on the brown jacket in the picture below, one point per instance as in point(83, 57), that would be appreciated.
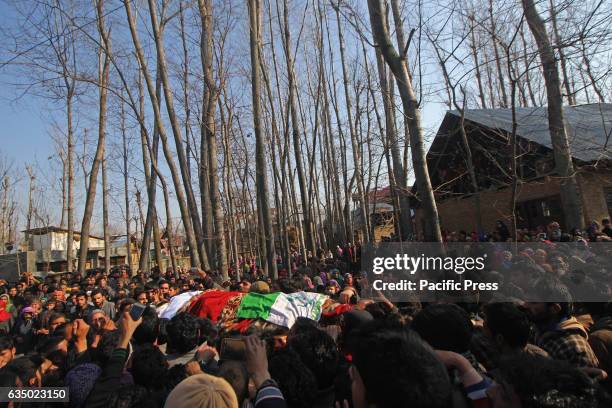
point(569, 342)
point(601, 343)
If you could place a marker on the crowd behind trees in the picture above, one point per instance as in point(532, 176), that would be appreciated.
point(332, 92)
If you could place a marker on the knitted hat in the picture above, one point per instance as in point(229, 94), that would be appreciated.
point(260, 287)
point(202, 391)
point(80, 381)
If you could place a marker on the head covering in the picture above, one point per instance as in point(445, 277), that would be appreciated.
point(28, 309)
point(4, 315)
point(202, 391)
point(9, 304)
point(323, 276)
point(80, 381)
point(260, 287)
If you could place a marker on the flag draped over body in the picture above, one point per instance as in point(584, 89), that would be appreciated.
point(277, 308)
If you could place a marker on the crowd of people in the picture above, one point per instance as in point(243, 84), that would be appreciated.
point(75, 331)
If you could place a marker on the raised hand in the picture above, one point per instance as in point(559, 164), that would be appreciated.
point(256, 360)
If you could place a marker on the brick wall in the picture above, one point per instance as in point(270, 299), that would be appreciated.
point(592, 185)
point(460, 213)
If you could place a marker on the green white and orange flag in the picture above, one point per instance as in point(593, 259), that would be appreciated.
point(280, 308)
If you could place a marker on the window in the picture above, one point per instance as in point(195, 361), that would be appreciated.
point(608, 194)
point(539, 212)
point(545, 209)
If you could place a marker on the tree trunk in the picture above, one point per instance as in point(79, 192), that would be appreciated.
point(204, 173)
point(385, 89)
point(512, 148)
point(354, 144)
point(571, 99)
point(140, 221)
point(279, 173)
point(412, 115)
point(64, 187)
point(304, 197)
point(399, 185)
point(474, 49)
point(260, 149)
point(400, 173)
point(500, 73)
point(185, 215)
point(151, 217)
point(346, 184)
point(107, 241)
point(30, 206)
point(103, 70)
point(202, 259)
point(128, 232)
point(227, 188)
point(211, 94)
point(333, 158)
point(570, 193)
point(185, 84)
point(526, 63)
point(151, 223)
point(70, 159)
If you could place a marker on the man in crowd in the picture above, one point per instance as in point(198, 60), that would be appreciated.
point(100, 302)
point(7, 350)
point(559, 333)
point(82, 308)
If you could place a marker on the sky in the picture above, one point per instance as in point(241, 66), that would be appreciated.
point(23, 133)
point(24, 119)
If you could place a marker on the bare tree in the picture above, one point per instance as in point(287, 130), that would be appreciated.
point(260, 154)
point(571, 99)
point(126, 190)
point(297, 145)
point(107, 240)
point(570, 193)
point(358, 174)
point(399, 173)
point(196, 225)
point(185, 211)
point(103, 73)
point(412, 115)
point(209, 106)
point(32, 179)
point(151, 226)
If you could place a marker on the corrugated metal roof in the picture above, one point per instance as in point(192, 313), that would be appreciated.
point(589, 127)
point(52, 228)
